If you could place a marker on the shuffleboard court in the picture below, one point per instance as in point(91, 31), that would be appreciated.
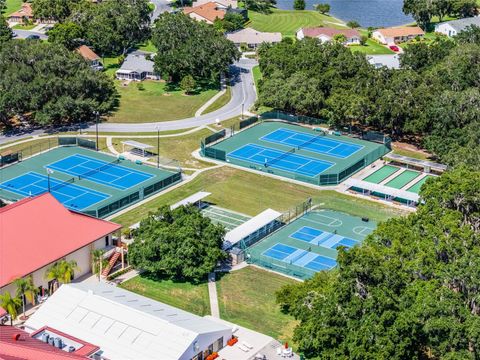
point(99, 171)
point(381, 174)
point(403, 179)
point(314, 143)
point(229, 219)
point(70, 195)
point(415, 188)
point(286, 161)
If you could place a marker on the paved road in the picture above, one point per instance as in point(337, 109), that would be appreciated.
point(243, 92)
point(22, 34)
point(160, 7)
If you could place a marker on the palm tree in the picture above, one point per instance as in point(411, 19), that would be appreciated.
point(10, 304)
point(97, 261)
point(62, 271)
point(25, 291)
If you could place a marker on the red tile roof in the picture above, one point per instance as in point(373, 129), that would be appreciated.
point(87, 53)
point(330, 32)
point(25, 11)
point(35, 232)
point(401, 31)
point(28, 348)
point(208, 11)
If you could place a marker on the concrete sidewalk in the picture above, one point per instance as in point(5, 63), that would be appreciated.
point(212, 293)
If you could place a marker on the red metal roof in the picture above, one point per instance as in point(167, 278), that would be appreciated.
point(28, 348)
point(35, 232)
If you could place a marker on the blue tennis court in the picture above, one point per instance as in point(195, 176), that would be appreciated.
point(298, 257)
point(99, 171)
point(277, 159)
point(72, 196)
point(309, 142)
point(322, 238)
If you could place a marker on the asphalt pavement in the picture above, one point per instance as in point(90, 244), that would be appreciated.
point(22, 34)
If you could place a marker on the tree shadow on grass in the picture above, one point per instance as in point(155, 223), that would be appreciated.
point(202, 86)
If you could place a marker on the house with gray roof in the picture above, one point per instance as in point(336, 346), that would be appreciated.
point(452, 28)
point(388, 61)
point(137, 66)
point(253, 38)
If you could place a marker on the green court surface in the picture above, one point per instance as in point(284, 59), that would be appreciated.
point(229, 219)
point(417, 186)
point(325, 224)
point(296, 152)
point(381, 174)
point(403, 179)
point(84, 180)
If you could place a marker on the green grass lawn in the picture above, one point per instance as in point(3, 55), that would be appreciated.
point(147, 46)
point(247, 297)
point(110, 65)
point(220, 102)
point(250, 194)
point(179, 148)
point(32, 147)
point(257, 75)
point(372, 48)
point(288, 22)
point(156, 102)
point(24, 27)
point(183, 295)
point(12, 6)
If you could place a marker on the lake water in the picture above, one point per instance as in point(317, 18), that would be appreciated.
point(375, 13)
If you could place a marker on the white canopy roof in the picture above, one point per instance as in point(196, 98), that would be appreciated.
point(191, 199)
point(249, 227)
point(402, 194)
point(137, 144)
point(416, 162)
point(123, 324)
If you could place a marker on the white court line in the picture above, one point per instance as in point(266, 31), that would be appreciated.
point(330, 224)
point(362, 229)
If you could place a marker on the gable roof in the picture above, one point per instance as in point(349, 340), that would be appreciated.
point(138, 62)
point(401, 31)
point(208, 11)
point(25, 11)
point(330, 32)
point(462, 24)
point(123, 324)
point(28, 348)
point(252, 36)
point(87, 53)
point(35, 232)
point(225, 3)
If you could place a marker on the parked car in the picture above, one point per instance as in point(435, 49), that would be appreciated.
point(394, 48)
point(33, 37)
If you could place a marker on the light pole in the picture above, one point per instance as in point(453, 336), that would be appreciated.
point(158, 147)
point(243, 104)
point(49, 171)
point(96, 113)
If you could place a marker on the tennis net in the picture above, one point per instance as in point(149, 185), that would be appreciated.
point(278, 158)
point(298, 256)
point(97, 170)
point(312, 140)
point(62, 184)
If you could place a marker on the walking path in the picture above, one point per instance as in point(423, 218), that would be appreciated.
point(223, 89)
point(212, 293)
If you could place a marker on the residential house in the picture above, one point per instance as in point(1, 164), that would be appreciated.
point(388, 61)
point(325, 34)
point(24, 15)
point(207, 12)
point(38, 231)
point(137, 67)
point(452, 28)
point(397, 35)
point(90, 56)
point(221, 4)
point(253, 38)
